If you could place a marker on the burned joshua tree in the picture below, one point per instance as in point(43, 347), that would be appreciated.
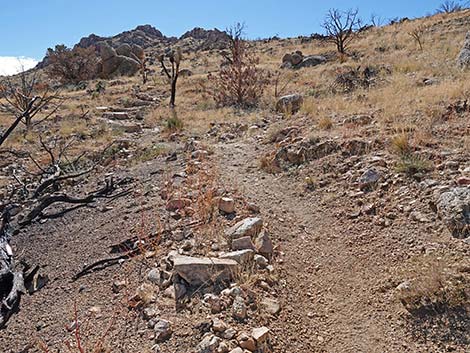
point(172, 73)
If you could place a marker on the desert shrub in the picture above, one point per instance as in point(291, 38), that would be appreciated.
point(409, 162)
point(174, 124)
point(239, 82)
point(350, 79)
point(412, 164)
point(418, 35)
point(72, 65)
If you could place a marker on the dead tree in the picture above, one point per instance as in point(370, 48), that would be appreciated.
point(239, 82)
point(418, 35)
point(341, 26)
point(376, 20)
point(450, 6)
point(4, 135)
point(24, 98)
point(172, 73)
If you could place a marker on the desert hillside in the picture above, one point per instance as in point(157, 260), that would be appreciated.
point(292, 199)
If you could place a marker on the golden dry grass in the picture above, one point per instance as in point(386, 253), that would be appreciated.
point(399, 101)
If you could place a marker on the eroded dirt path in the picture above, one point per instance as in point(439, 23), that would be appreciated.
point(334, 273)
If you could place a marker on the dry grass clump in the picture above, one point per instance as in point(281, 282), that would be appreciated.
point(174, 124)
point(268, 163)
point(149, 153)
point(325, 123)
point(435, 292)
point(409, 162)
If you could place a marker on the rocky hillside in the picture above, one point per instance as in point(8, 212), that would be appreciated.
point(333, 216)
point(147, 36)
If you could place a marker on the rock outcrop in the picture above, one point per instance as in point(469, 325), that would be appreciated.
point(297, 60)
point(143, 36)
point(207, 39)
point(291, 103)
point(463, 59)
point(453, 207)
point(121, 62)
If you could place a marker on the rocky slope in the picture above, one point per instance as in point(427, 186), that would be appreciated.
point(332, 218)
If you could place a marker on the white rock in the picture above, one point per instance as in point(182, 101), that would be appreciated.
point(260, 334)
point(239, 308)
point(243, 257)
point(247, 227)
point(200, 271)
point(227, 205)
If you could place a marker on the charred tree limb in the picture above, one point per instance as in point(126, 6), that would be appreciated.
point(49, 200)
point(104, 263)
point(11, 281)
point(17, 121)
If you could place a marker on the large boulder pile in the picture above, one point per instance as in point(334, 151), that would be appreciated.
point(203, 39)
point(464, 57)
point(297, 60)
point(144, 36)
point(124, 61)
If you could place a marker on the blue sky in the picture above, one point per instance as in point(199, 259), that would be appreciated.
point(29, 27)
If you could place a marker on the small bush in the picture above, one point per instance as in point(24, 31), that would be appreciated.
point(412, 164)
point(150, 153)
point(408, 162)
point(354, 78)
point(174, 124)
point(268, 164)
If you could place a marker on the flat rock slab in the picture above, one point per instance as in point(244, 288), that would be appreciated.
point(199, 271)
point(243, 257)
point(249, 227)
point(116, 116)
point(124, 126)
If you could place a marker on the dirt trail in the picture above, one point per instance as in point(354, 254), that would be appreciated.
point(330, 273)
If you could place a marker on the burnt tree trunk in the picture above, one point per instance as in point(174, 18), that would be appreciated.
point(173, 91)
point(11, 280)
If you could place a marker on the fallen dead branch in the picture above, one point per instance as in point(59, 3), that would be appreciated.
point(11, 280)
